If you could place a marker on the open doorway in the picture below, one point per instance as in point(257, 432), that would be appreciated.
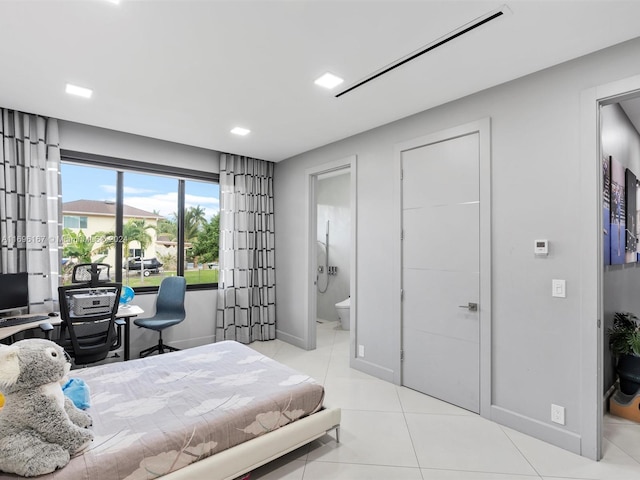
point(332, 249)
point(619, 138)
point(593, 396)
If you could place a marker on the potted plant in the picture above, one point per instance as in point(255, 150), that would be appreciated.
point(624, 341)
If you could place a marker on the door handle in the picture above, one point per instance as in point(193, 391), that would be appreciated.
point(472, 307)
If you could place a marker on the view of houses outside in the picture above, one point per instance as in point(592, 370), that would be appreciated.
point(150, 239)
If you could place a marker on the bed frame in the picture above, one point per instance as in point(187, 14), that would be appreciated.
point(245, 457)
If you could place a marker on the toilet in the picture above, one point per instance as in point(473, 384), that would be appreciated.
point(344, 313)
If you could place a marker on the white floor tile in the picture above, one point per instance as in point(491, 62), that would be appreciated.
point(325, 334)
point(279, 470)
point(349, 471)
point(268, 348)
point(462, 442)
point(388, 432)
point(624, 436)
point(615, 420)
point(416, 402)
point(551, 461)
point(428, 474)
point(314, 363)
point(362, 394)
point(372, 438)
point(339, 368)
point(559, 478)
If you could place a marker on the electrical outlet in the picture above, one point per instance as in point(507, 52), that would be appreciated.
point(557, 414)
point(361, 350)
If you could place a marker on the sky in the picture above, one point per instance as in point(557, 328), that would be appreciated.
point(147, 192)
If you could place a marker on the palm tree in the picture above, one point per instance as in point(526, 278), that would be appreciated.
point(194, 220)
point(135, 230)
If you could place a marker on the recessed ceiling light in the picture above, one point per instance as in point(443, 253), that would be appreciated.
point(329, 80)
point(80, 91)
point(240, 131)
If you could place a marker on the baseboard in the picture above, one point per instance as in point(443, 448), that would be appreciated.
point(192, 342)
point(372, 369)
point(293, 340)
point(554, 435)
point(181, 344)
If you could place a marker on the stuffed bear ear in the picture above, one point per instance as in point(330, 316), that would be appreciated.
point(9, 365)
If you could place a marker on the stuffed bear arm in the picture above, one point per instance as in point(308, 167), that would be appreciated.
point(77, 416)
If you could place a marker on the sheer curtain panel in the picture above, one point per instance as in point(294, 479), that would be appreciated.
point(29, 203)
point(246, 287)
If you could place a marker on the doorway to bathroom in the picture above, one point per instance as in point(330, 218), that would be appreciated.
point(331, 251)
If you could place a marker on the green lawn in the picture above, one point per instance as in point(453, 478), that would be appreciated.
point(153, 280)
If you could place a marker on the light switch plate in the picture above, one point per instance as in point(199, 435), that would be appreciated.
point(558, 288)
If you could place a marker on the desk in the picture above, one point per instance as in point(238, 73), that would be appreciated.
point(127, 313)
point(6, 332)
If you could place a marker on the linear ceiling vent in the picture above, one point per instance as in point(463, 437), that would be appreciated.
point(458, 32)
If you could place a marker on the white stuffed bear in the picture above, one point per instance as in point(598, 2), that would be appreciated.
point(40, 428)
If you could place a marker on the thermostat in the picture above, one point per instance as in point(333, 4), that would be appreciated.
point(541, 247)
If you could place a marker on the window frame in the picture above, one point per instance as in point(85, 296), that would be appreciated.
point(76, 217)
point(121, 166)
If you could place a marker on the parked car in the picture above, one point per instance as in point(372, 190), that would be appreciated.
point(151, 265)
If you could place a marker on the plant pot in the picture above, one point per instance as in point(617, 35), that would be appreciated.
point(629, 372)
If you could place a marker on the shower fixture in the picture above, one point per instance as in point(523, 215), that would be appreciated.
point(324, 268)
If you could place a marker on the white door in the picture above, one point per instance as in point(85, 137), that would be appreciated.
point(440, 270)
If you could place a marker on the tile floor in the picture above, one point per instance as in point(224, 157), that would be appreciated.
point(393, 433)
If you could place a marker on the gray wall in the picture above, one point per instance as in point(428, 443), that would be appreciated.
point(536, 167)
point(621, 283)
point(102, 141)
point(198, 327)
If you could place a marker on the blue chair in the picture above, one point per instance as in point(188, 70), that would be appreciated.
point(169, 312)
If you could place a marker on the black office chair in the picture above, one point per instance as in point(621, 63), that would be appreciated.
point(92, 273)
point(88, 314)
point(169, 312)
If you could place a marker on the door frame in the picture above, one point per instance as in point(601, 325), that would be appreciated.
point(311, 174)
point(483, 128)
point(592, 259)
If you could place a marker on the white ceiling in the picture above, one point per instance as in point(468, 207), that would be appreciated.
point(189, 71)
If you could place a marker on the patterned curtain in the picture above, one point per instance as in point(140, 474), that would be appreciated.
point(29, 204)
point(246, 287)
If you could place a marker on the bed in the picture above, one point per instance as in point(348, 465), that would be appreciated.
point(215, 411)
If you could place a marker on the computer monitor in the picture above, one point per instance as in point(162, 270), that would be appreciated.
point(14, 292)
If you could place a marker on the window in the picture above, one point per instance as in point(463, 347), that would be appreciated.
point(145, 221)
point(87, 209)
point(72, 221)
point(201, 235)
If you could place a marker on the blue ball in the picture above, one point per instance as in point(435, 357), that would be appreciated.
point(126, 295)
